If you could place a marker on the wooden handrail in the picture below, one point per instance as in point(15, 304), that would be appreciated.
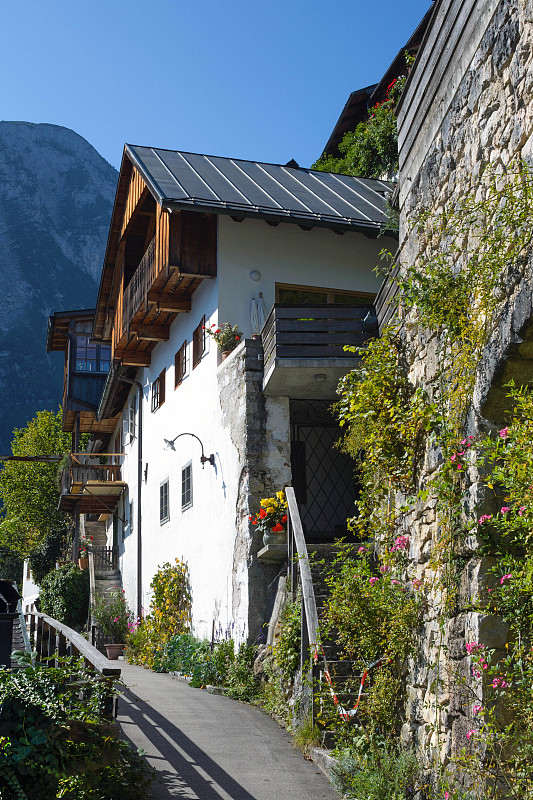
point(308, 592)
point(52, 637)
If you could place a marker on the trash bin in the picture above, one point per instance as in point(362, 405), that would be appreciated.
point(9, 598)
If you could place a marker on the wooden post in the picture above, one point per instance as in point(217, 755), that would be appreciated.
point(39, 639)
point(61, 645)
point(76, 538)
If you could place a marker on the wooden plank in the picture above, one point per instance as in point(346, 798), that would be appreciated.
point(152, 333)
point(134, 358)
point(314, 351)
point(322, 312)
point(308, 593)
point(193, 243)
point(318, 338)
point(300, 326)
point(165, 302)
point(99, 662)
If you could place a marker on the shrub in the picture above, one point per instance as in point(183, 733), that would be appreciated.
point(58, 742)
point(375, 770)
point(241, 682)
point(113, 616)
point(64, 595)
point(170, 615)
point(43, 559)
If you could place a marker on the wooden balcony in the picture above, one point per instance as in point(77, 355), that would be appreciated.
point(180, 255)
point(304, 354)
point(91, 483)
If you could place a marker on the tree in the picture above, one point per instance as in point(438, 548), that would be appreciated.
point(30, 491)
point(371, 150)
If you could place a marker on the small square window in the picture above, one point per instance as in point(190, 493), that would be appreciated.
point(164, 510)
point(158, 391)
point(180, 364)
point(198, 343)
point(186, 486)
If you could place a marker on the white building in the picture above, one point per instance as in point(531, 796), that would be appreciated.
point(196, 241)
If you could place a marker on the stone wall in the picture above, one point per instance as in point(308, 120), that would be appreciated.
point(260, 431)
point(486, 118)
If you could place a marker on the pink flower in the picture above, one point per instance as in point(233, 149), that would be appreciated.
point(362, 550)
point(453, 457)
point(506, 577)
point(499, 682)
point(484, 518)
point(446, 796)
point(504, 509)
point(384, 568)
point(395, 582)
point(504, 433)
point(473, 647)
point(459, 466)
point(372, 581)
point(401, 543)
point(521, 510)
point(417, 583)
point(469, 734)
point(477, 709)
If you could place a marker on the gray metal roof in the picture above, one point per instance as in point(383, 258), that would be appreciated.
point(270, 191)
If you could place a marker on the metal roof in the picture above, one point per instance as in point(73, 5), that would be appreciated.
point(270, 191)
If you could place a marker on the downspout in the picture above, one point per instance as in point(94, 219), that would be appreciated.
point(139, 386)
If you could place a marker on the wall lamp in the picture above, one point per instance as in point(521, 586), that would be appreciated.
point(169, 445)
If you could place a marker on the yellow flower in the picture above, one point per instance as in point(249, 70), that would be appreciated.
point(280, 495)
point(264, 503)
point(271, 510)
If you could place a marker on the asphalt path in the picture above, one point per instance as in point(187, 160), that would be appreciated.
point(209, 747)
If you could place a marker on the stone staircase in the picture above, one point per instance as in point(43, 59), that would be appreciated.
point(345, 675)
point(106, 579)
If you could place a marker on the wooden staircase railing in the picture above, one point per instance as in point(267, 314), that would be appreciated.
point(300, 573)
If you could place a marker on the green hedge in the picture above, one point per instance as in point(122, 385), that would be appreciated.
point(64, 595)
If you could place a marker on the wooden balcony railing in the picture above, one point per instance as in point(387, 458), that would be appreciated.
point(316, 331)
point(136, 292)
point(85, 467)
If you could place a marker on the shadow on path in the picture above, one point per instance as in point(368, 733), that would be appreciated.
point(184, 769)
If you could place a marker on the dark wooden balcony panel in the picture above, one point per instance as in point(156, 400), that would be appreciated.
point(308, 332)
point(85, 389)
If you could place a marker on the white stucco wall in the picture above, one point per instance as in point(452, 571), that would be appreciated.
point(204, 535)
point(288, 254)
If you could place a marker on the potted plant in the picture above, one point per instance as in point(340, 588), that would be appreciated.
point(227, 337)
point(113, 619)
point(83, 552)
point(271, 519)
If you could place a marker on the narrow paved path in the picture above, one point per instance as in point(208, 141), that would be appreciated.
point(208, 747)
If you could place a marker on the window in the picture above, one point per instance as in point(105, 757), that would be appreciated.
point(130, 516)
point(164, 511)
point(186, 486)
point(198, 343)
point(180, 364)
point(309, 295)
point(89, 356)
point(158, 391)
point(132, 417)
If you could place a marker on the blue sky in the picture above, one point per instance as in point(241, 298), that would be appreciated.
point(257, 80)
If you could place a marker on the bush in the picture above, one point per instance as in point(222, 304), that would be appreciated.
point(56, 741)
point(375, 770)
point(113, 616)
point(170, 614)
point(43, 559)
point(64, 595)
point(241, 682)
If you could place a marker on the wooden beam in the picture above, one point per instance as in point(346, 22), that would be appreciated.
point(153, 333)
point(133, 358)
point(167, 302)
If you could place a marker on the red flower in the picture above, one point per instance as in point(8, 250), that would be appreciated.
point(389, 87)
point(237, 338)
point(284, 518)
point(254, 522)
point(217, 330)
point(278, 528)
point(251, 518)
point(262, 513)
point(203, 327)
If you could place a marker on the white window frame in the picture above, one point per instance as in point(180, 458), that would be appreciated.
point(162, 517)
point(188, 504)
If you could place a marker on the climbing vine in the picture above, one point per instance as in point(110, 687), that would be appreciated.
point(408, 432)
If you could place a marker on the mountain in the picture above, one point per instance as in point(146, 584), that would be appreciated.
point(56, 198)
